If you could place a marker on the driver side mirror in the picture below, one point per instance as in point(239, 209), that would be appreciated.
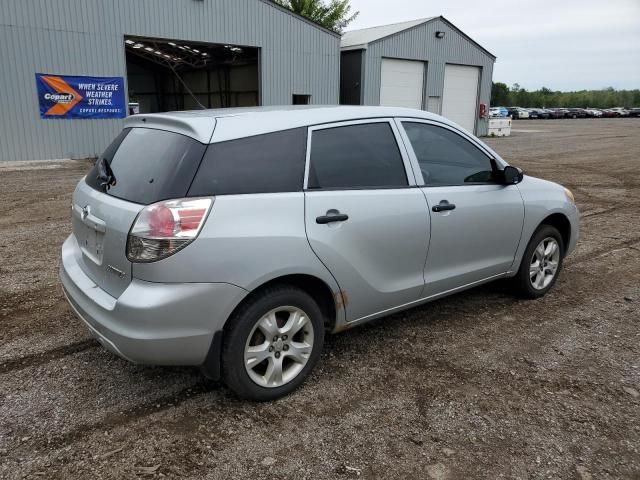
point(512, 175)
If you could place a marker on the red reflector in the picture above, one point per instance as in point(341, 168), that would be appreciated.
point(161, 223)
point(190, 218)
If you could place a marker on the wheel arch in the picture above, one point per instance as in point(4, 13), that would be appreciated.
point(329, 302)
point(331, 305)
point(561, 222)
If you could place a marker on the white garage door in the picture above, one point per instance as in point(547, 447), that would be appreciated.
point(401, 83)
point(460, 96)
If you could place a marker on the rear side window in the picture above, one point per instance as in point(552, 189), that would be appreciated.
point(446, 158)
point(150, 165)
point(356, 156)
point(270, 163)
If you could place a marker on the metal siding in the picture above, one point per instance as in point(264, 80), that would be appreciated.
point(420, 43)
point(86, 37)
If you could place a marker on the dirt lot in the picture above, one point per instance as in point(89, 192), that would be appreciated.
point(479, 385)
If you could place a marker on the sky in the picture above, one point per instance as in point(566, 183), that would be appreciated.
point(560, 44)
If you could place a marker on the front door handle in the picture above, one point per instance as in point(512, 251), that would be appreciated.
point(334, 217)
point(443, 206)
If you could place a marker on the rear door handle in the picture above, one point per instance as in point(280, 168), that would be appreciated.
point(338, 217)
point(443, 206)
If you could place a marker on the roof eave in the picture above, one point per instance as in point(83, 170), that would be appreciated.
point(428, 20)
point(424, 22)
point(362, 46)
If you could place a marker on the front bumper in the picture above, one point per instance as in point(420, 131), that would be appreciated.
point(574, 220)
point(150, 323)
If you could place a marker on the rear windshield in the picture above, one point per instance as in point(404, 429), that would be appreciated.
point(150, 165)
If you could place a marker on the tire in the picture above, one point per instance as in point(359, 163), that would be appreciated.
point(256, 380)
point(525, 283)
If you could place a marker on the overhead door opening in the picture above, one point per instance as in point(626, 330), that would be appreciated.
point(460, 96)
point(169, 75)
point(401, 83)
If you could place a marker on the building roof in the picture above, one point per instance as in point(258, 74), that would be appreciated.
point(365, 36)
point(357, 39)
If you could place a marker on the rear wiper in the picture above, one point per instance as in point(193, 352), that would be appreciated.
point(105, 175)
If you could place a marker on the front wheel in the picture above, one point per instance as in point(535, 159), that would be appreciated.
point(272, 344)
point(541, 263)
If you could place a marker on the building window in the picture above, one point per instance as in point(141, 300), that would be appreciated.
point(301, 99)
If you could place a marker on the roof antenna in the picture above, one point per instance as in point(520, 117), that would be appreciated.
point(186, 87)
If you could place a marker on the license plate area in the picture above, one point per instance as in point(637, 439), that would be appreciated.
point(92, 246)
point(89, 232)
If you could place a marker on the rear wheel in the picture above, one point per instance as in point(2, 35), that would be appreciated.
point(541, 263)
point(274, 341)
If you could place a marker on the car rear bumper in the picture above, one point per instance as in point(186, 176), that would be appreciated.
point(150, 323)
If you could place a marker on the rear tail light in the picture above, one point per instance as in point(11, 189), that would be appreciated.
point(162, 229)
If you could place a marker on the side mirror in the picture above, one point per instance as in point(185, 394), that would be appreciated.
point(512, 175)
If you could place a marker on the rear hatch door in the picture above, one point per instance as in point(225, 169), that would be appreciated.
point(101, 224)
point(148, 165)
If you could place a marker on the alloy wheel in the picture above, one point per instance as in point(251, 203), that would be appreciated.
point(544, 263)
point(278, 347)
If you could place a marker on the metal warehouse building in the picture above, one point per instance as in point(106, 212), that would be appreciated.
point(427, 64)
point(158, 55)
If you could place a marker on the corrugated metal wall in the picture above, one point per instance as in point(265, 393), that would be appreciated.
point(420, 43)
point(86, 37)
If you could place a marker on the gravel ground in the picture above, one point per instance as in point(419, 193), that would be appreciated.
point(478, 385)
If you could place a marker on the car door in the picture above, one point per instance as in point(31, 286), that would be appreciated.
point(476, 220)
point(366, 219)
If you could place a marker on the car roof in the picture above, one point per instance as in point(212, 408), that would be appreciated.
point(232, 123)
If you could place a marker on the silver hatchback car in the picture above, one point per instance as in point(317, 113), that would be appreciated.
point(234, 239)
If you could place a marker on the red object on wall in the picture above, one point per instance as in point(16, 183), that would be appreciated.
point(483, 110)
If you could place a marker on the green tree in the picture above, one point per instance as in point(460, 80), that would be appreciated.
point(335, 15)
point(499, 94)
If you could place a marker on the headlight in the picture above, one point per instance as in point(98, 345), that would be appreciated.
point(569, 195)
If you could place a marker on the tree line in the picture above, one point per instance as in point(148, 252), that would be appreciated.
point(516, 96)
point(334, 15)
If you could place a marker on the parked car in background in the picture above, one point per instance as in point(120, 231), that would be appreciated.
point(576, 113)
point(556, 113)
point(518, 113)
point(573, 112)
point(498, 112)
point(548, 111)
point(180, 256)
point(561, 112)
point(622, 112)
point(539, 113)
